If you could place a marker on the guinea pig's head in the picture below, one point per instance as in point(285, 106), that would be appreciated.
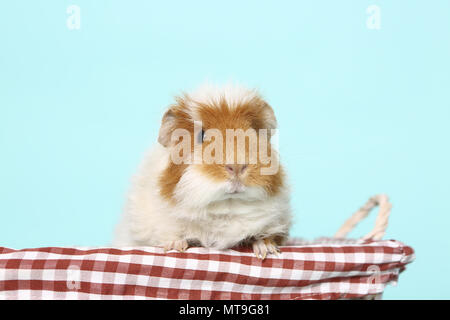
point(220, 147)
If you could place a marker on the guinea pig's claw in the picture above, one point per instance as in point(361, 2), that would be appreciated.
point(179, 245)
point(263, 247)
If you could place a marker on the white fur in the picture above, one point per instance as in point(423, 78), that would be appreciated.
point(212, 94)
point(206, 210)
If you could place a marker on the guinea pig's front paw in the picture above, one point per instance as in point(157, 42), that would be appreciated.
point(262, 247)
point(179, 245)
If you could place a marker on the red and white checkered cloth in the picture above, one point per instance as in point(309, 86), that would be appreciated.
point(304, 270)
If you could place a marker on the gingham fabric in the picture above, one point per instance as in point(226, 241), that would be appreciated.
point(304, 270)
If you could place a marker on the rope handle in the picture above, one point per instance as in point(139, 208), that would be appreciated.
point(381, 223)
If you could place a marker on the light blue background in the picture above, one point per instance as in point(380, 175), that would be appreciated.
point(361, 111)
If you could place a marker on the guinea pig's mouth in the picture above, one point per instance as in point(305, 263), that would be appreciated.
point(235, 187)
point(237, 194)
point(234, 192)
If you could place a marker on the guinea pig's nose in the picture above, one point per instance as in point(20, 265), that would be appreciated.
point(235, 169)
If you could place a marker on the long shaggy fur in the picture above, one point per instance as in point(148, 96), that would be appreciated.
point(193, 202)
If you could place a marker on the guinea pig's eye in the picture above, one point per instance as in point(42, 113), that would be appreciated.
point(201, 136)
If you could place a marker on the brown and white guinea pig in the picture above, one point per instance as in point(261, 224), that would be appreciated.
point(218, 204)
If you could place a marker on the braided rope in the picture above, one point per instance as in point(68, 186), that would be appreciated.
point(381, 223)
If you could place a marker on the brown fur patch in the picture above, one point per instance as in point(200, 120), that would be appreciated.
point(278, 239)
point(169, 178)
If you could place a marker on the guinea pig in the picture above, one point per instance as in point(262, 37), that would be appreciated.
point(201, 186)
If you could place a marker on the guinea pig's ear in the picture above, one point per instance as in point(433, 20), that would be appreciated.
point(268, 117)
point(167, 126)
